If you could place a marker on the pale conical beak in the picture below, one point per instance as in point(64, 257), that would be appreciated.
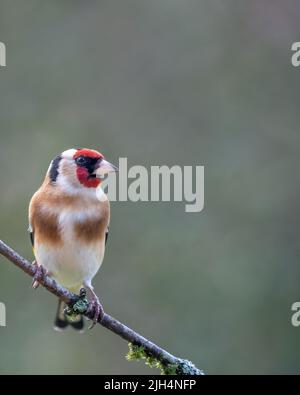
point(104, 167)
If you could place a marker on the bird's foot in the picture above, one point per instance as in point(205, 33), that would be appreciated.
point(96, 310)
point(40, 274)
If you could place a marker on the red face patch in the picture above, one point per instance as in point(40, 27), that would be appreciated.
point(85, 179)
point(86, 159)
point(90, 153)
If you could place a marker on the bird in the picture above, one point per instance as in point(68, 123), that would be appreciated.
point(69, 219)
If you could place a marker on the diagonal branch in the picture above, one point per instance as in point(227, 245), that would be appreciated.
point(139, 345)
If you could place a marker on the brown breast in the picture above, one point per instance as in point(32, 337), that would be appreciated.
point(45, 226)
point(44, 210)
point(91, 230)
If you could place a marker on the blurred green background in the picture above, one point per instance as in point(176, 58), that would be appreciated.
point(160, 82)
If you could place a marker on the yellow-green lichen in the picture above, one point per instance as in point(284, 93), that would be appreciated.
point(138, 353)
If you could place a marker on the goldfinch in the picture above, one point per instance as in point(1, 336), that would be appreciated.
point(69, 222)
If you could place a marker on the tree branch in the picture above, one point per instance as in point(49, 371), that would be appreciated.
point(140, 347)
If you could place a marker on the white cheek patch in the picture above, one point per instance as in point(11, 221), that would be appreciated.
point(66, 186)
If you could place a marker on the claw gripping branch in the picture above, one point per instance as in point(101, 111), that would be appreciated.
point(140, 347)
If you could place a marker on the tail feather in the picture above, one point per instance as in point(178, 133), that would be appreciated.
point(62, 321)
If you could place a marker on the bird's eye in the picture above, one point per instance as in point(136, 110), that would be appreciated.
point(80, 160)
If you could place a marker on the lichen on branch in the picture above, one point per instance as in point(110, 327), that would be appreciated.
point(137, 353)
